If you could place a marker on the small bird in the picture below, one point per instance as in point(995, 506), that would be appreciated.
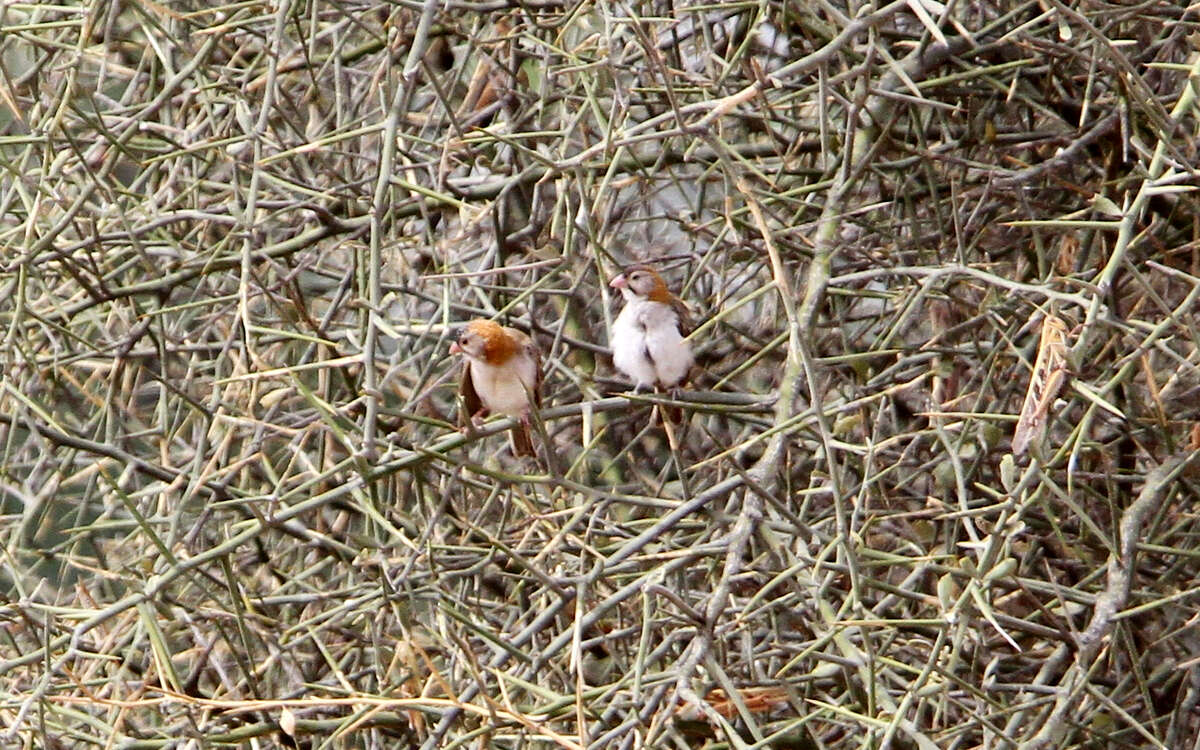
point(648, 336)
point(502, 374)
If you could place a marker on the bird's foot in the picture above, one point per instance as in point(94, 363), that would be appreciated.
point(674, 413)
point(474, 422)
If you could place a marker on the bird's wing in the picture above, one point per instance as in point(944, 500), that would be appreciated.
point(528, 348)
point(537, 361)
point(684, 314)
point(471, 403)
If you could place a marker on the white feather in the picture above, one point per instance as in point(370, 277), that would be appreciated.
point(503, 389)
point(647, 345)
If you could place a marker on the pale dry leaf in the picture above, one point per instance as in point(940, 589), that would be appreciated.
point(757, 700)
point(287, 722)
point(1068, 249)
point(1049, 374)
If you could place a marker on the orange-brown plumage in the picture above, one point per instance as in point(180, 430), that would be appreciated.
point(498, 345)
point(657, 289)
point(502, 374)
point(644, 282)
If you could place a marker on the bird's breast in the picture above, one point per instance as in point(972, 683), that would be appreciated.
point(505, 389)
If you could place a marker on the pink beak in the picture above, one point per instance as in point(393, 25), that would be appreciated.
point(619, 281)
point(455, 348)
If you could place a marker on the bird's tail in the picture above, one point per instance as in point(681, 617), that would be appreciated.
point(522, 441)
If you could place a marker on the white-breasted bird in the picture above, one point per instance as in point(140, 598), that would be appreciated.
point(648, 341)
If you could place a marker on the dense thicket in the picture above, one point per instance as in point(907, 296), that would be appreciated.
point(236, 504)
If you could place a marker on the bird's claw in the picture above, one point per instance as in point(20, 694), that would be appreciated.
point(474, 422)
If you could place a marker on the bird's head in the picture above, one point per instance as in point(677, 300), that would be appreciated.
point(641, 282)
point(484, 340)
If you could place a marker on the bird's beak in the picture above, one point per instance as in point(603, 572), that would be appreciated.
point(455, 348)
point(619, 281)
